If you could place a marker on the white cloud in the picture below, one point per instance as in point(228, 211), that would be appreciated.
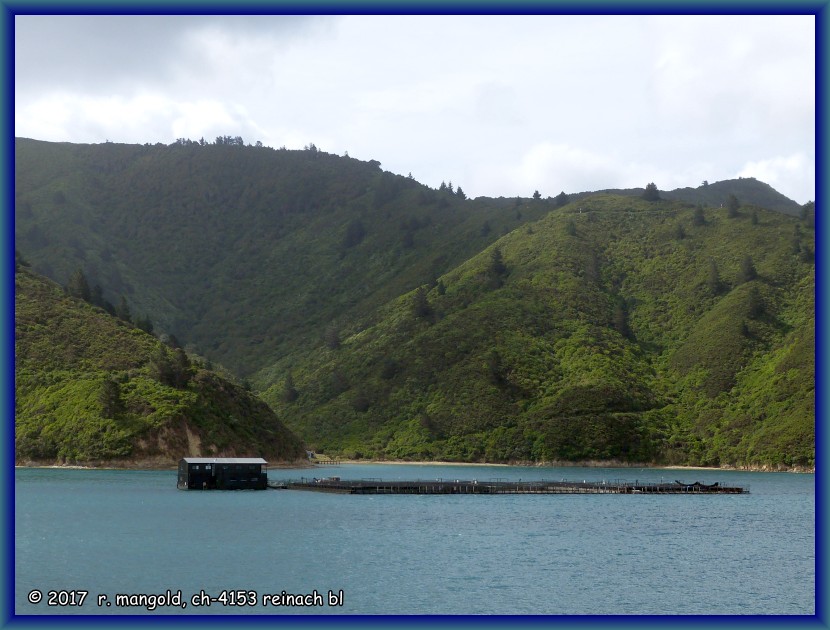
point(144, 117)
point(546, 166)
point(789, 175)
point(205, 118)
point(96, 117)
point(501, 105)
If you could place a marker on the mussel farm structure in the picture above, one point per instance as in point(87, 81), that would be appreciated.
point(442, 486)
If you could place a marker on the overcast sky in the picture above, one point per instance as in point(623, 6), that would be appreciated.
point(500, 105)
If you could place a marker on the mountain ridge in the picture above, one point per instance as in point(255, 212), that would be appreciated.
point(748, 190)
point(283, 265)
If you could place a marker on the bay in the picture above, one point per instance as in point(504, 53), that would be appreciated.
point(112, 532)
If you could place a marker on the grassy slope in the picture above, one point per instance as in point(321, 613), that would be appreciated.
point(87, 391)
point(535, 364)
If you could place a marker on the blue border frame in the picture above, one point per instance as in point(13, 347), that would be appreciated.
point(9, 8)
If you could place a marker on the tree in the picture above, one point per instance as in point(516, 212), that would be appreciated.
point(79, 287)
point(338, 382)
point(19, 261)
point(361, 402)
point(421, 307)
point(389, 369)
point(97, 296)
point(332, 337)
point(161, 367)
point(698, 218)
point(808, 214)
point(289, 392)
point(713, 282)
point(795, 245)
point(173, 371)
point(732, 205)
point(679, 232)
point(355, 232)
point(570, 228)
point(495, 369)
point(497, 266)
point(621, 318)
point(388, 187)
point(144, 323)
point(181, 368)
point(561, 199)
point(460, 193)
point(536, 195)
point(754, 217)
point(651, 193)
point(593, 268)
point(748, 272)
point(110, 398)
point(755, 303)
point(122, 311)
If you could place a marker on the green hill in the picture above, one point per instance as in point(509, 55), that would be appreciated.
point(247, 253)
point(382, 318)
point(748, 191)
point(602, 337)
point(92, 389)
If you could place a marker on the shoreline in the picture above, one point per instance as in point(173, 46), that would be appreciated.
point(305, 464)
point(585, 464)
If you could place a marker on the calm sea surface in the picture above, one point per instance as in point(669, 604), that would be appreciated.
point(132, 532)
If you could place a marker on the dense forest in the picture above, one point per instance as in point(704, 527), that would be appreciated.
point(381, 318)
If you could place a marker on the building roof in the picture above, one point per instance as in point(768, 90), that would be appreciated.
point(224, 460)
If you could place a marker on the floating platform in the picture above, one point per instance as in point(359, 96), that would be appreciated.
point(441, 486)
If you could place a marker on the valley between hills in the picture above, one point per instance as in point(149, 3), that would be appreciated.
point(217, 298)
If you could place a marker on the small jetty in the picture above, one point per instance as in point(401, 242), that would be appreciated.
point(501, 486)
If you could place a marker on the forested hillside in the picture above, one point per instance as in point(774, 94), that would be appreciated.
point(381, 318)
point(93, 389)
point(247, 253)
point(614, 329)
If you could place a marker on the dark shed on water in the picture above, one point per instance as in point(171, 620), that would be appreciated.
point(222, 473)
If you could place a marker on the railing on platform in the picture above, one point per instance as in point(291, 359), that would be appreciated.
point(440, 486)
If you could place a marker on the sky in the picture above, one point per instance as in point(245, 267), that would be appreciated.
point(500, 105)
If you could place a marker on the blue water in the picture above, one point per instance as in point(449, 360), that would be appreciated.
point(132, 532)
